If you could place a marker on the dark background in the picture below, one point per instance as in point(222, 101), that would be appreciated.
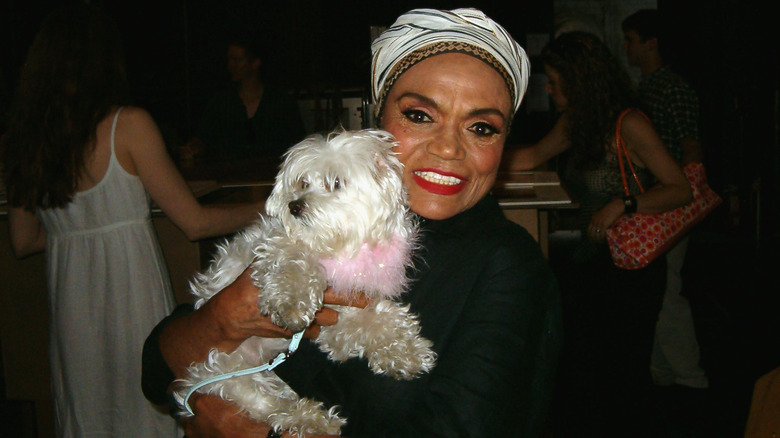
point(727, 49)
point(175, 50)
point(175, 53)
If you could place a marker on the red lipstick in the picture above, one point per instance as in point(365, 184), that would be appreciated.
point(436, 188)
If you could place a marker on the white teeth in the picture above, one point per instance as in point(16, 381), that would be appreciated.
point(438, 178)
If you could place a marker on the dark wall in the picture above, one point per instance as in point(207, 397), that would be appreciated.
point(175, 49)
point(727, 50)
point(175, 54)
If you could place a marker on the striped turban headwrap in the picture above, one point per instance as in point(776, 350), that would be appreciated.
point(422, 33)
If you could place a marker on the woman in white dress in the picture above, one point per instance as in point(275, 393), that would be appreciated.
point(80, 170)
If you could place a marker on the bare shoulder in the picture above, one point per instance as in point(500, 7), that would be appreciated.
point(137, 136)
point(136, 117)
point(638, 131)
point(635, 120)
point(136, 127)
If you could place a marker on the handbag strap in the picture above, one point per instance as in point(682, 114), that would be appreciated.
point(622, 151)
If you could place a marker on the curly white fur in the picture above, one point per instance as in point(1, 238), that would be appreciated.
point(337, 216)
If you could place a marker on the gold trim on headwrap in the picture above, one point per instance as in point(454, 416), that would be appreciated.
point(437, 49)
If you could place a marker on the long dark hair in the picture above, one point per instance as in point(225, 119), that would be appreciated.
point(597, 89)
point(73, 76)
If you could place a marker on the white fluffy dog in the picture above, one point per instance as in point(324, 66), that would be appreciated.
point(337, 216)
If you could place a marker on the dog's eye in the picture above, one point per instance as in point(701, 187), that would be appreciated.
point(331, 187)
point(304, 184)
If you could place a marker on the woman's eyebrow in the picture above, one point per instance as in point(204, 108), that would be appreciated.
point(413, 95)
point(488, 111)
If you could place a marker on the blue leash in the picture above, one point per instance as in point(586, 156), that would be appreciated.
point(281, 357)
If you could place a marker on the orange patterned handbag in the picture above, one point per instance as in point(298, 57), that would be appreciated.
point(637, 239)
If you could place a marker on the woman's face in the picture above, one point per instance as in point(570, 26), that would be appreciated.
point(554, 88)
point(450, 114)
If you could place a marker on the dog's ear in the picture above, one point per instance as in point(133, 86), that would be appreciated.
point(388, 159)
point(381, 170)
point(388, 169)
point(381, 160)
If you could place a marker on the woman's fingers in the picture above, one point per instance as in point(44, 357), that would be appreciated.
point(354, 299)
point(326, 316)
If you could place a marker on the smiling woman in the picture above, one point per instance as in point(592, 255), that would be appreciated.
point(446, 84)
point(451, 115)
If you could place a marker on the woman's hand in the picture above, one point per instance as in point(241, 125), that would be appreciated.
point(603, 219)
point(328, 316)
point(235, 311)
point(228, 319)
point(224, 322)
point(354, 299)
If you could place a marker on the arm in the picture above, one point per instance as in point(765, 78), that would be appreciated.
point(672, 189)
point(224, 322)
point(531, 157)
point(144, 149)
point(27, 234)
point(645, 148)
point(186, 336)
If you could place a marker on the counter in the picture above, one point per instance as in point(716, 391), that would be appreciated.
point(528, 197)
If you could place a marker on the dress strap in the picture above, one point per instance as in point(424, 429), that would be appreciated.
point(113, 128)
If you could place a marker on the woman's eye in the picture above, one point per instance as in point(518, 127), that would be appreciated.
point(483, 129)
point(417, 116)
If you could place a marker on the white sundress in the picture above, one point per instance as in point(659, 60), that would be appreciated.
point(108, 287)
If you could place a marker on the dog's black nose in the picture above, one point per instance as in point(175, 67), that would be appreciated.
point(297, 207)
